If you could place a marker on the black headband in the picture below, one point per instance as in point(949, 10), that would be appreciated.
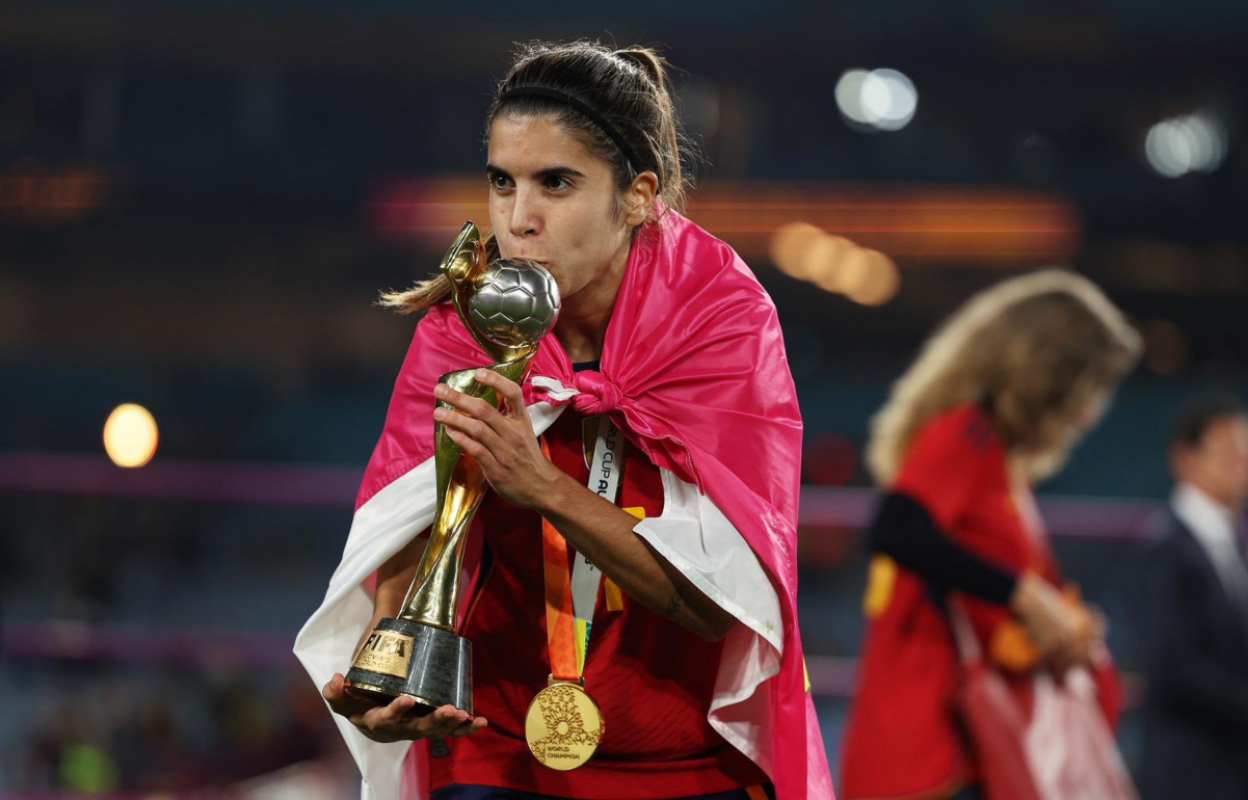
point(584, 108)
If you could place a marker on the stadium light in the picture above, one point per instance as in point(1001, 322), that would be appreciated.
point(131, 435)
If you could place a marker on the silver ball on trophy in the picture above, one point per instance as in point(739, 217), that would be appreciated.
point(516, 303)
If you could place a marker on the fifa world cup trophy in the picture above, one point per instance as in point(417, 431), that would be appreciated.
point(507, 306)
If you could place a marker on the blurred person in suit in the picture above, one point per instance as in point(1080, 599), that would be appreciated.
point(1196, 711)
point(993, 404)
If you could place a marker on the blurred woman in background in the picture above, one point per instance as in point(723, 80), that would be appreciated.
point(993, 404)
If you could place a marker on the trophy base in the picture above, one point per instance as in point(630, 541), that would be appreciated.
point(428, 663)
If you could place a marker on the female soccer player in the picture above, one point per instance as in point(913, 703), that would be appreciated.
point(993, 404)
point(689, 644)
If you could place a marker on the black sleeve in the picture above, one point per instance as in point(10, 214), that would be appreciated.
point(904, 531)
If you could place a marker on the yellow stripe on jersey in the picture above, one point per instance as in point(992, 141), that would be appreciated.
point(881, 576)
point(614, 597)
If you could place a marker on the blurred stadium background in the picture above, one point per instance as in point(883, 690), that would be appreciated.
point(200, 200)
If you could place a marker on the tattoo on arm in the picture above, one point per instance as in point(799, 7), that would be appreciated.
point(674, 606)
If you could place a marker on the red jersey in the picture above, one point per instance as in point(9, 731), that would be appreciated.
point(652, 679)
point(903, 739)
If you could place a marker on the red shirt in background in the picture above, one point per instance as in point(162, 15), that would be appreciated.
point(903, 738)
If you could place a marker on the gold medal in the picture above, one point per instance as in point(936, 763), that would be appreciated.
point(563, 726)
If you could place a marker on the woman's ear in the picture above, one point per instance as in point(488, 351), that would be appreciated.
point(639, 199)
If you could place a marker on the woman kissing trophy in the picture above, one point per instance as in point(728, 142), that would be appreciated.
point(507, 306)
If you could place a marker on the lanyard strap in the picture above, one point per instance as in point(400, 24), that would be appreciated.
point(570, 599)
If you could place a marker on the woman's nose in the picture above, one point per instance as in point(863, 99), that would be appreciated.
point(525, 215)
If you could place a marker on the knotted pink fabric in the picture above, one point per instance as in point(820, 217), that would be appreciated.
point(694, 371)
point(597, 394)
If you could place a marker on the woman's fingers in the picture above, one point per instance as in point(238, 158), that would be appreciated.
point(449, 721)
point(341, 701)
point(505, 446)
point(1080, 638)
point(470, 727)
point(481, 421)
point(400, 718)
point(1065, 631)
point(472, 406)
point(465, 424)
point(510, 393)
point(484, 455)
point(445, 720)
point(475, 408)
point(384, 720)
point(508, 390)
point(1052, 622)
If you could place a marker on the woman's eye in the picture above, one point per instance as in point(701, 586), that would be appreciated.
point(556, 182)
point(499, 182)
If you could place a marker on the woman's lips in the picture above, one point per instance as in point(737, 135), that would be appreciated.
point(543, 261)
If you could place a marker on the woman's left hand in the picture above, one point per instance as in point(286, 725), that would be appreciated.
point(501, 441)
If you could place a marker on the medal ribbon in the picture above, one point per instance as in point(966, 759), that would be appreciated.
point(570, 599)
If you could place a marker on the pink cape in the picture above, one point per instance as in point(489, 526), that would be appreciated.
point(694, 369)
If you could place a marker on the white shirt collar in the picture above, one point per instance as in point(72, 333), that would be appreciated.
point(1213, 525)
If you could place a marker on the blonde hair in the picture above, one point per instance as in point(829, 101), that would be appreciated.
point(429, 292)
point(423, 295)
point(1039, 352)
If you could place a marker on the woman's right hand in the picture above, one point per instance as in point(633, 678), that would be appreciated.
point(1062, 630)
point(396, 721)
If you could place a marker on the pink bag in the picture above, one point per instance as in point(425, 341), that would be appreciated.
point(1065, 751)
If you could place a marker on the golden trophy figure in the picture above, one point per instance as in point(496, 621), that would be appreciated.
point(507, 306)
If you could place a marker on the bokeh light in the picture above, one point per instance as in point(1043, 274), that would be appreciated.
point(879, 282)
point(789, 246)
point(1190, 143)
point(824, 260)
point(882, 99)
point(835, 264)
point(130, 435)
point(849, 95)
